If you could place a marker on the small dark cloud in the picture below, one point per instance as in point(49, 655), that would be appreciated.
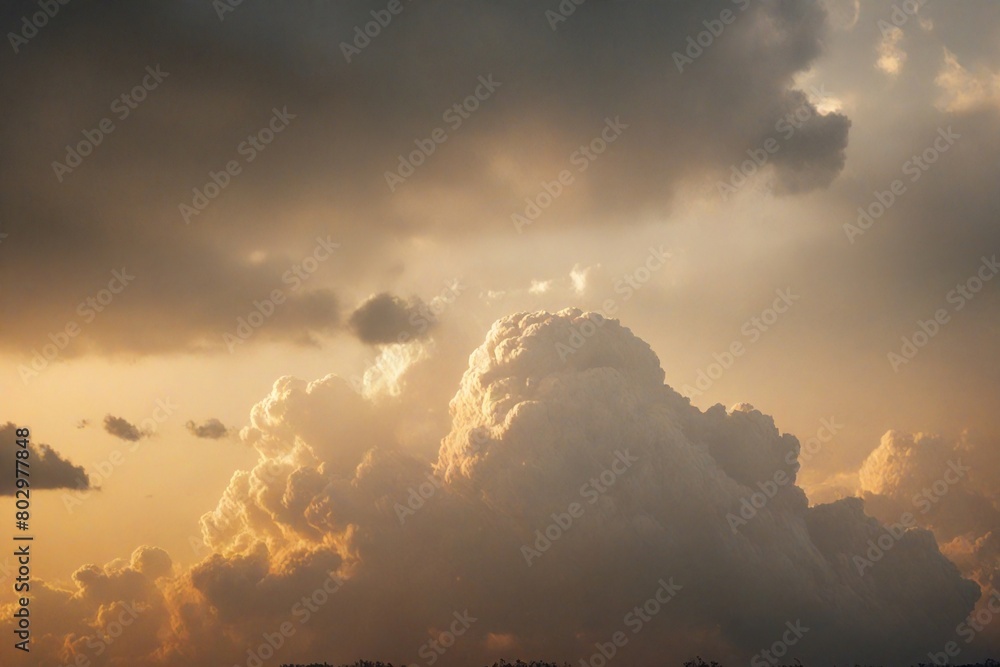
point(83, 423)
point(812, 154)
point(212, 429)
point(49, 470)
point(386, 318)
point(122, 428)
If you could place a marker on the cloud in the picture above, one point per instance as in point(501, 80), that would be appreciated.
point(48, 468)
point(112, 615)
point(210, 428)
point(397, 544)
point(815, 153)
point(685, 125)
point(844, 14)
point(962, 90)
point(948, 486)
point(891, 56)
point(385, 318)
point(122, 428)
point(528, 429)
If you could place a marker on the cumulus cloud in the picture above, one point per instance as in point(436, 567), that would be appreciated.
point(114, 615)
point(386, 546)
point(48, 468)
point(949, 488)
point(946, 483)
point(212, 429)
point(122, 428)
point(385, 318)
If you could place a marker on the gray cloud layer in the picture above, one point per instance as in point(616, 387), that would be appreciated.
point(193, 282)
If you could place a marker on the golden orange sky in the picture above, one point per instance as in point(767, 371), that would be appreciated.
point(268, 270)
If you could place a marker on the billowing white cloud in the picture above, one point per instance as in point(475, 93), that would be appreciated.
point(571, 489)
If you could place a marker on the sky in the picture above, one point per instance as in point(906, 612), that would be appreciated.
point(542, 314)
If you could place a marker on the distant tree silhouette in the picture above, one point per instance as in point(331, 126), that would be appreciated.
point(696, 662)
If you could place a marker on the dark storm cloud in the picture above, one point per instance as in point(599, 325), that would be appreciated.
point(386, 318)
point(209, 87)
point(212, 429)
point(122, 428)
point(49, 470)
